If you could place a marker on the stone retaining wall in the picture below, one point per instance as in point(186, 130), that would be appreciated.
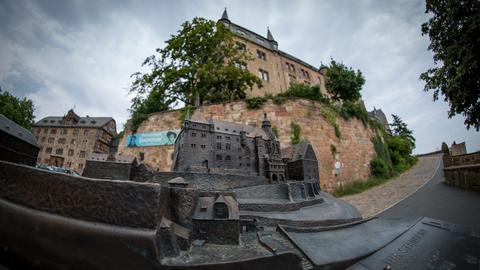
point(462, 170)
point(354, 148)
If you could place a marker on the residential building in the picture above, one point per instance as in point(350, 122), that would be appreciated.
point(67, 141)
point(276, 68)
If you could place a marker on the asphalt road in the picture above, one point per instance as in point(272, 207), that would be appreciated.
point(439, 201)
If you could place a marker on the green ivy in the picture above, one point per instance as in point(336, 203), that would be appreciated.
point(295, 138)
point(333, 148)
point(330, 117)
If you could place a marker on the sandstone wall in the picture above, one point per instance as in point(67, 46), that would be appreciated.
point(354, 148)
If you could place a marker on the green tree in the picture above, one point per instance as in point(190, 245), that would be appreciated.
point(400, 128)
point(202, 62)
point(18, 110)
point(454, 31)
point(343, 83)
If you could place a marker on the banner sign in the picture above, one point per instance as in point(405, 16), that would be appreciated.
point(166, 137)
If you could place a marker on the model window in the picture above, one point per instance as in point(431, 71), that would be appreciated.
point(262, 74)
point(248, 164)
point(219, 146)
point(219, 137)
point(228, 157)
point(219, 157)
point(193, 145)
point(203, 146)
point(204, 135)
point(227, 146)
point(194, 134)
point(227, 138)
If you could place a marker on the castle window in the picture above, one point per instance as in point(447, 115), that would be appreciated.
point(228, 157)
point(45, 130)
point(219, 146)
point(48, 150)
point(85, 132)
point(61, 140)
point(53, 131)
point(219, 137)
point(59, 151)
point(218, 157)
point(43, 139)
point(227, 138)
point(261, 55)
point(262, 74)
point(227, 146)
point(82, 154)
point(73, 141)
point(241, 65)
point(204, 135)
point(80, 166)
point(70, 152)
point(194, 134)
point(290, 67)
point(193, 145)
point(63, 131)
point(51, 140)
point(241, 46)
point(75, 132)
point(240, 165)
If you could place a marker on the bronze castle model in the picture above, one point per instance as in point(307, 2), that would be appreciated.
point(223, 147)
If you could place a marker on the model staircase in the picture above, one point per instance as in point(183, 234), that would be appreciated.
point(306, 263)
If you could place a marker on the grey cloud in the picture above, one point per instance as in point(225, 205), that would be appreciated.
point(65, 53)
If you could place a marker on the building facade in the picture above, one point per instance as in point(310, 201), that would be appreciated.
point(67, 141)
point(301, 162)
point(224, 147)
point(276, 68)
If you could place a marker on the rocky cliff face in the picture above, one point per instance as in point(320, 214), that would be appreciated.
point(354, 148)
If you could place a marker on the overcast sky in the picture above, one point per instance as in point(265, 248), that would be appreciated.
point(65, 54)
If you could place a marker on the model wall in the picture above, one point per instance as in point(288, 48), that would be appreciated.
point(354, 149)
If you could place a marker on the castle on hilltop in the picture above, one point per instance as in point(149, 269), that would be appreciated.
point(276, 68)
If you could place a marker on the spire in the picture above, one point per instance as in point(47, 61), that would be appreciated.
point(269, 35)
point(225, 15)
point(266, 123)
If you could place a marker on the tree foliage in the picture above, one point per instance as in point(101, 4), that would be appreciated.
point(200, 63)
point(454, 31)
point(399, 128)
point(18, 110)
point(343, 83)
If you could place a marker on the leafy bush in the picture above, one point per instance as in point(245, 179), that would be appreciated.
point(353, 109)
point(279, 99)
point(333, 148)
point(306, 91)
point(255, 102)
point(295, 138)
point(358, 186)
point(379, 168)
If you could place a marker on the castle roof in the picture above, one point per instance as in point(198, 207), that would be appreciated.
point(296, 151)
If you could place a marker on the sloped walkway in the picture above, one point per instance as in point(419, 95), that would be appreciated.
point(377, 199)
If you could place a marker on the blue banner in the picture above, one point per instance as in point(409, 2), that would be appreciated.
point(157, 138)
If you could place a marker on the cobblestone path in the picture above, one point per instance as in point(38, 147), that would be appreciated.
point(377, 199)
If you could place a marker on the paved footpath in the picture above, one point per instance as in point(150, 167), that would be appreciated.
point(379, 198)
